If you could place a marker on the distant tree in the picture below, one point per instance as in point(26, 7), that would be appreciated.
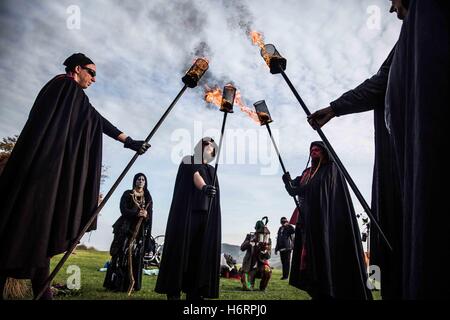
point(6, 146)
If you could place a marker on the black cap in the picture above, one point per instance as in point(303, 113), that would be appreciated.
point(76, 59)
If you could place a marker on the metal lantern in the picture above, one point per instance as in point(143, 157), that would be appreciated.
point(262, 111)
point(273, 58)
point(229, 92)
point(195, 73)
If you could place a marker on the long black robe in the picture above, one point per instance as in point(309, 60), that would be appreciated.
point(50, 184)
point(328, 230)
point(417, 114)
point(118, 274)
point(386, 204)
point(191, 256)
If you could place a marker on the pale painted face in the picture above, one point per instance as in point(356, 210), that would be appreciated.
point(140, 182)
point(208, 152)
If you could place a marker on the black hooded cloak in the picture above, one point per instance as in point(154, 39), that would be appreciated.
point(417, 115)
point(50, 185)
point(118, 275)
point(386, 204)
point(328, 259)
point(191, 257)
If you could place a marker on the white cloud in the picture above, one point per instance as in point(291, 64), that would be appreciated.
point(142, 48)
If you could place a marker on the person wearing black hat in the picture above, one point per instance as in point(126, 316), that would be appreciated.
point(127, 254)
point(50, 184)
point(191, 258)
point(328, 258)
point(284, 245)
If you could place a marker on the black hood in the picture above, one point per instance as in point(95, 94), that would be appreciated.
point(321, 145)
point(136, 176)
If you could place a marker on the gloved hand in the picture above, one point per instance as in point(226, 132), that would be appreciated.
point(287, 178)
point(139, 146)
point(321, 117)
point(288, 184)
point(209, 190)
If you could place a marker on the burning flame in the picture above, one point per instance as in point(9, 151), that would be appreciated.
point(249, 112)
point(258, 40)
point(214, 96)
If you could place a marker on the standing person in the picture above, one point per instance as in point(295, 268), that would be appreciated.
point(285, 245)
point(191, 256)
point(412, 93)
point(328, 259)
point(131, 236)
point(386, 205)
point(50, 185)
point(417, 100)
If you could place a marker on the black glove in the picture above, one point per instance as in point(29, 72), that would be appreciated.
point(287, 178)
point(209, 190)
point(139, 146)
point(288, 184)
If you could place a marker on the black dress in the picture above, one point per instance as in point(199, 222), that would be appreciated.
point(191, 257)
point(118, 274)
point(328, 259)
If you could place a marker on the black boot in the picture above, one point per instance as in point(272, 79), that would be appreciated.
point(175, 296)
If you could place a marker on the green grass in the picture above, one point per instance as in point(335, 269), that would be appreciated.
point(89, 261)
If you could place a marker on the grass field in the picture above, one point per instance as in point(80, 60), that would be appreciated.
point(91, 281)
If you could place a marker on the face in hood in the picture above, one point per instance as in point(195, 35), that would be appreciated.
point(205, 150)
point(138, 182)
point(321, 145)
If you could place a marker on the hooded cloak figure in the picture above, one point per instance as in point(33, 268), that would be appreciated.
point(417, 99)
point(133, 228)
point(50, 185)
point(386, 205)
point(328, 259)
point(191, 257)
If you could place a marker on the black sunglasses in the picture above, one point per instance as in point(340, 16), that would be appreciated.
point(91, 72)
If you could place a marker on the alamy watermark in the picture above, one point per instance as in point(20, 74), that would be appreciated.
point(373, 21)
point(73, 21)
point(374, 277)
point(250, 146)
point(73, 281)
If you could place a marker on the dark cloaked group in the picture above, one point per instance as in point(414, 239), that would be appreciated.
point(55, 168)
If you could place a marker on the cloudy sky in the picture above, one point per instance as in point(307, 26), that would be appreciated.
point(142, 49)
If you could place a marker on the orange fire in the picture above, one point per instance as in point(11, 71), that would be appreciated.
point(249, 112)
point(214, 96)
point(258, 40)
